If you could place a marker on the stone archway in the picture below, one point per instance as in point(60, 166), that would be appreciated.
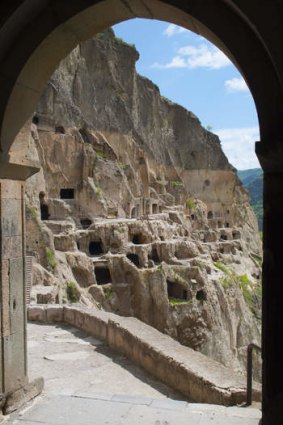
point(36, 35)
point(57, 27)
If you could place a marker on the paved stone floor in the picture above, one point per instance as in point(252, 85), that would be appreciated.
point(88, 383)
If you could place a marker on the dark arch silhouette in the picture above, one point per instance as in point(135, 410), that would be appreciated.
point(249, 32)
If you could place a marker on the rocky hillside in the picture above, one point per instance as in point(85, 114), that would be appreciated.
point(136, 209)
point(253, 181)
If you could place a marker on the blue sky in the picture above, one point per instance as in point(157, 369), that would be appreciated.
point(190, 71)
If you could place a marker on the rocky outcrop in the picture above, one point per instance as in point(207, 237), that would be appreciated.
point(136, 209)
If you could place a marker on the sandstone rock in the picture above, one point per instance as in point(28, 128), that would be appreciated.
point(64, 243)
point(145, 214)
point(41, 276)
point(97, 293)
point(82, 268)
point(45, 295)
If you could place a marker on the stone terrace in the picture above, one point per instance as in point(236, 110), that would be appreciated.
point(196, 376)
point(86, 382)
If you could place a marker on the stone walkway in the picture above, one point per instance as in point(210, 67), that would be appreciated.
point(88, 383)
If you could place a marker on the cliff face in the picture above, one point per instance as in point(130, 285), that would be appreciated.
point(136, 209)
point(98, 85)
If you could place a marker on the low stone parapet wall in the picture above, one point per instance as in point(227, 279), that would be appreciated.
point(195, 375)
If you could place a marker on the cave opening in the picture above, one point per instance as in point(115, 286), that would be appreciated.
point(154, 209)
point(67, 193)
point(210, 215)
point(154, 256)
point(134, 258)
point(85, 223)
point(60, 129)
point(134, 213)
point(35, 119)
point(102, 275)
point(175, 290)
point(84, 135)
point(95, 248)
point(201, 295)
point(223, 237)
point(138, 239)
point(44, 212)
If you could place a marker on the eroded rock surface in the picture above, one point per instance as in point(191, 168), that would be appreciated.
point(136, 209)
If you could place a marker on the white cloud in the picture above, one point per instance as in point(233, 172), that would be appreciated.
point(236, 85)
point(176, 62)
point(239, 146)
point(205, 56)
point(173, 29)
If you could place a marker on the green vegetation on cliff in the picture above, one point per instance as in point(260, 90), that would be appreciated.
point(253, 181)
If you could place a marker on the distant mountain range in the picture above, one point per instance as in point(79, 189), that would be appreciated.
point(253, 181)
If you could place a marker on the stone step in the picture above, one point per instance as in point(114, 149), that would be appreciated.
point(121, 409)
point(64, 242)
point(195, 375)
point(59, 226)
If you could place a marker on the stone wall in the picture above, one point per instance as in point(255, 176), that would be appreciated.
point(194, 375)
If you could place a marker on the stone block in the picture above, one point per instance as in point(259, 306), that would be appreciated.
point(16, 296)
point(11, 217)
point(69, 315)
point(115, 339)
point(92, 321)
point(2, 403)
point(5, 301)
point(54, 313)
point(64, 243)
point(14, 358)
point(12, 247)
point(1, 380)
point(18, 398)
point(36, 313)
point(95, 326)
point(187, 371)
point(11, 189)
point(46, 295)
point(80, 318)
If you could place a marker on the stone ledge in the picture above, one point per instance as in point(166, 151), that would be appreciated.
point(193, 374)
point(18, 398)
point(19, 172)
